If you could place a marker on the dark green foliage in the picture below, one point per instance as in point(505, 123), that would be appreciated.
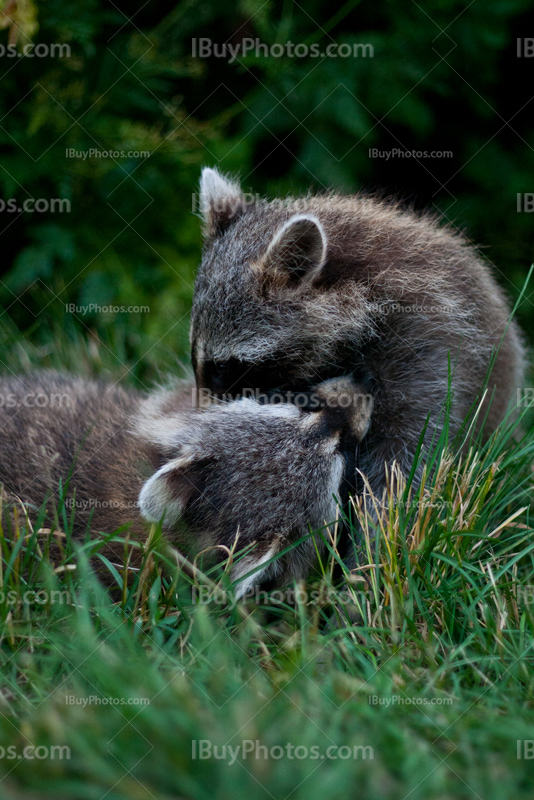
point(443, 77)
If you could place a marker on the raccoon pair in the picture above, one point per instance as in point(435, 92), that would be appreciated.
point(292, 294)
point(237, 476)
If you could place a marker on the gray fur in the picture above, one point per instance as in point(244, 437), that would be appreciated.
point(269, 473)
point(54, 427)
point(292, 292)
point(241, 475)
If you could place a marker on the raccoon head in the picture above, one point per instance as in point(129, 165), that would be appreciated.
point(269, 313)
point(252, 478)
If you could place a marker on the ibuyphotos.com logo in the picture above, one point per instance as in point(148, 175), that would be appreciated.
point(204, 749)
point(207, 48)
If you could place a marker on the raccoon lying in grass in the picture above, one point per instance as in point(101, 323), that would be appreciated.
point(264, 473)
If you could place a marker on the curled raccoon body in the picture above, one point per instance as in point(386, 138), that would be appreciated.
point(239, 475)
point(302, 290)
point(56, 427)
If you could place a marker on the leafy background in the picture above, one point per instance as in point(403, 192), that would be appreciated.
point(445, 76)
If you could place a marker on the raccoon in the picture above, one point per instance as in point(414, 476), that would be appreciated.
point(298, 291)
point(243, 474)
point(256, 477)
point(56, 427)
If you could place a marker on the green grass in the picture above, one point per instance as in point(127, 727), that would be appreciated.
point(436, 614)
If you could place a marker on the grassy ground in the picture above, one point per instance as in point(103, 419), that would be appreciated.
point(412, 677)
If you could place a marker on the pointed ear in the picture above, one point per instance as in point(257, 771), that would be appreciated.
point(166, 494)
point(221, 202)
point(297, 252)
point(252, 569)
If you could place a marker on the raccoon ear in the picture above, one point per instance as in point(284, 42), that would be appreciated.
point(166, 494)
point(297, 252)
point(251, 570)
point(221, 202)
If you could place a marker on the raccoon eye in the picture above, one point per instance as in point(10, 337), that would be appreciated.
point(221, 371)
point(218, 376)
point(234, 376)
